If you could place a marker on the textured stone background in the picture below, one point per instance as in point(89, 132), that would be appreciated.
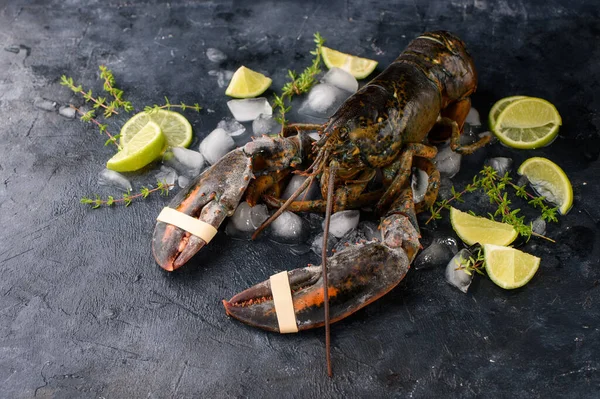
point(85, 311)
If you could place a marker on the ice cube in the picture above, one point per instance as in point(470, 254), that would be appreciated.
point(468, 135)
point(299, 249)
point(167, 175)
point(317, 243)
point(215, 145)
point(341, 79)
point(447, 161)
point(342, 222)
point(265, 124)
point(223, 77)
point(245, 220)
point(67, 112)
point(538, 226)
point(184, 161)
point(448, 242)
point(44, 104)
point(241, 220)
point(501, 165)
point(249, 109)
point(370, 230)
point(445, 190)
point(288, 228)
point(419, 183)
point(183, 181)
point(473, 117)
point(258, 214)
point(323, 100)
point(310, 193)
point(114, 179)
point(434, 255)
point(215, 55)
point(231, 126)
point(459, 278)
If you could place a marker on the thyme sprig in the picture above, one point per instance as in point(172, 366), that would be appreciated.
point(99, 102)
point(472, 263)
point(162, 188)
point(494, 186)
point(299, 84)
point(90, 117)
point(110, 87)
point(168, 106)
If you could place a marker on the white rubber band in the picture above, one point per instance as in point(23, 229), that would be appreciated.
point(284, 306)
point(205, 231)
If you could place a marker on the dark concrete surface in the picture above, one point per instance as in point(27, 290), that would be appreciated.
point(86, 313)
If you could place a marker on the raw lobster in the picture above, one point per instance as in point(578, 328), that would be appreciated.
point(385, 128)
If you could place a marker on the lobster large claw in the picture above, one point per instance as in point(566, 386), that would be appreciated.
point(211, 197)
point(358, 275)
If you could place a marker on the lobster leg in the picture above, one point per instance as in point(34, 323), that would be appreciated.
point(319, 205)
point(401, 170)
point(261, 184)
point(295, 128)
point(455, 139)
point(433, 184)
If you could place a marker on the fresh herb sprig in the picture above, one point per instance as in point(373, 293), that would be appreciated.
point(110, 87)
point(89, 117)
point(472, 264)
point(494, 187)
point(161, 188)
point(168, 106)
point(299, 84)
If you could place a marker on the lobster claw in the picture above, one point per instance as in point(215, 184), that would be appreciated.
point(211, 197)
point(358, 275)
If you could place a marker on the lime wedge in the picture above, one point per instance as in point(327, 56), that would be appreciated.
point(142, 149)
point(358, 67)
point(499, 107)
point(550, 181)
point(246, 83)
point(475, 229)
point(527, 123)
point(508, 267)
point(175, 127)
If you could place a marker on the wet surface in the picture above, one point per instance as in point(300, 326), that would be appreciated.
point(86, 312)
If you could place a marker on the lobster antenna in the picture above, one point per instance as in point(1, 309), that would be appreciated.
point(330, 191)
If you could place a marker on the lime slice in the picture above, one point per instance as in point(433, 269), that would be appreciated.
point(508, 267)
point(246, 83)
point(550, 181)
point(527, 123)
point(175, 127)
point(358, 67)
point(142, 149)
point(499, 107)
point(475, 229)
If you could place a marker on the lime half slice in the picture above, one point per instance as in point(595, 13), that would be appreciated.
point(550, 181)
point(499, 106)
point(475, 229)
point(246, 83)
point(358, 67)
point(142, 149)
point(509, 268)
point(527, 123)
point(175, 127)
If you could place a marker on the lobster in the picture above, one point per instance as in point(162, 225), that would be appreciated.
point(385, 129)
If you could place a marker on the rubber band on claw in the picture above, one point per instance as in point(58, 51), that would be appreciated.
point(190, 224)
